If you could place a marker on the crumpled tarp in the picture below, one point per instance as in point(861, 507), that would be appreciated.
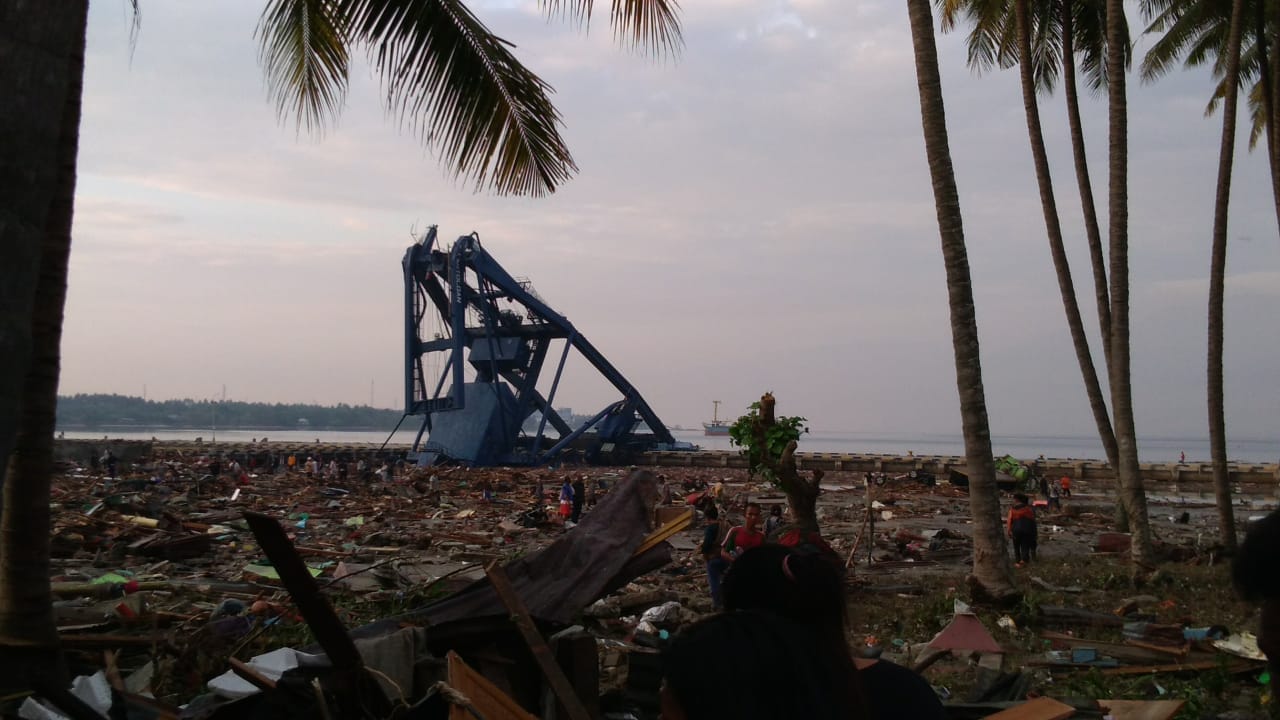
point(585, 563)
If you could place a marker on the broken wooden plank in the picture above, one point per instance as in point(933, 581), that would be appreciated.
point(1142, 709)
point(486, 699)
point(1231, 668)
point(296, 578)
point(1123, 652)
point(537, 645)
point(251, 676)
point(357, 692)
point(680, 522)
point(1041, 708)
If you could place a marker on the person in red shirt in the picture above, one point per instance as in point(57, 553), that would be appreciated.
point(1065, 482)
point(1022, 528)
point(744, 536)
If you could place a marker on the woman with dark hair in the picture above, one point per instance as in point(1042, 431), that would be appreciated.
point(749, 665)
point(809, 589)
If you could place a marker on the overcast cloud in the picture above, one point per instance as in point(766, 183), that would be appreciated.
point(754, 216)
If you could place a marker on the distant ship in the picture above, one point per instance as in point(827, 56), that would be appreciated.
point(716, 427)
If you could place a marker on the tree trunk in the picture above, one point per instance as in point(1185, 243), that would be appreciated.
point(1085, 185)
point(1128, 471)
point(35, 50)
point(1217, 281)
point(1093, 233)
point(1053, 227)
point(802, 493)
point(992, 571)
point(1271, 92)
point(27, 632)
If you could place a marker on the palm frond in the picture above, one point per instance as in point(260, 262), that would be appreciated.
point(304, 55)
point(649, 26)
point(449, 78)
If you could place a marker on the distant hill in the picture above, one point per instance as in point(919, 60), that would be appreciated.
point(94, 412)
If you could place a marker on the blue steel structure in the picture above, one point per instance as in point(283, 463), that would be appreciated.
point(503, 330)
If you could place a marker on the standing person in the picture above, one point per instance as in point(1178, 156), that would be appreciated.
point(1055, 495)
point(1254, 574)
point(109, 460)
point(1182, 457)
point(1065, 482)
point(775, 520)
point(579, 497)
point(566, 500)
point(712, 537)
point(292, 462)
point(745, 536)
point(1022, 528)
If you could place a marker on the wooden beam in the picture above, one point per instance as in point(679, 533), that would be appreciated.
point(661, 534)
point(537, 645)
point(486, 699)
point(1042, 708)
point(356, 691)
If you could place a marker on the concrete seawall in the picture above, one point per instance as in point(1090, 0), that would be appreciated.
point(1260, 478)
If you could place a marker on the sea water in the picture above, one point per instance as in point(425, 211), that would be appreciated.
point(1152, 449)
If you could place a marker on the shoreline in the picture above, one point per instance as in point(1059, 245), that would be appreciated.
point(1260, 478)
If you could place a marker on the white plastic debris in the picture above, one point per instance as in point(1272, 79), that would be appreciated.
point(272, 665)
point(92, 689)
point(665, 612)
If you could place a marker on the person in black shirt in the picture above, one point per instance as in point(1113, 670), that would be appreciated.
point(579, 497)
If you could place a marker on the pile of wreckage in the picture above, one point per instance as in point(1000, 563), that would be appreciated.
point(503, 645)
point(251, 599)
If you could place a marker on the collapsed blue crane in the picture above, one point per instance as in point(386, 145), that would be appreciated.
point(482, 421)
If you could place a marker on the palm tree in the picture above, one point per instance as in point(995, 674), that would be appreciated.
point(37, 172)
point(488, 117)
point(1199, 31)
point(1128, 471)
point(992, 571)
point(1217, 281)
point(1203, 30)
point(1000, 37)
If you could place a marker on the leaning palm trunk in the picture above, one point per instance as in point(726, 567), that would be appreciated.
point(1090, 211)
point(27, 631)
point(1053, 226)
point(1127, 468)
point(1272, 90)
point(1217, 280)
point(992, 572)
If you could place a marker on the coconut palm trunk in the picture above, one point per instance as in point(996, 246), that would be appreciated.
point(1084, 183)
point(992, 571)
point(1127, 469)
point(1271, 92)
point(1053, 227)
point(28, 637)
point(1217, 280)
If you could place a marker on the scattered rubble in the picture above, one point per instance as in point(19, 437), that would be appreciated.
point(202, 582)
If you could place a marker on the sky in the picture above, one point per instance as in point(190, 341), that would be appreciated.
point(753, 215)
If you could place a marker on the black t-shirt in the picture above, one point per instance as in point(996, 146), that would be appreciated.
point(896, 692)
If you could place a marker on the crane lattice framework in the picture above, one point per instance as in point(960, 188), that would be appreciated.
point(503, 330)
